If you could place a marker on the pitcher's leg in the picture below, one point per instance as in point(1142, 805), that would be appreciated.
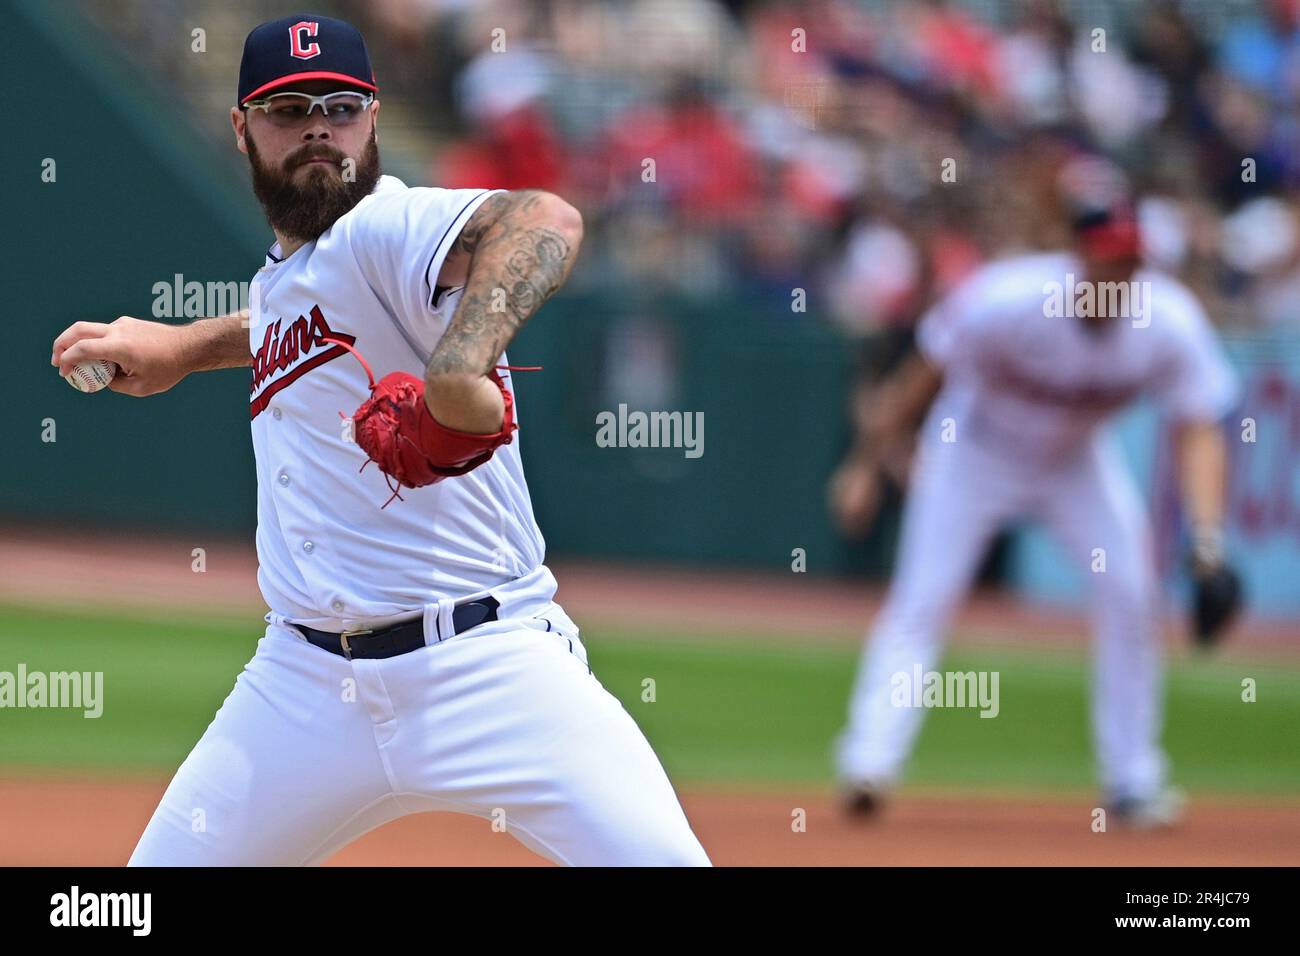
point(288, 764)
point(1100, 507)
point(609, 802)
point(952, 512)
point(513, 725)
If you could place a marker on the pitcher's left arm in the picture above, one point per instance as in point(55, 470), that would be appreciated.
point(511, 256)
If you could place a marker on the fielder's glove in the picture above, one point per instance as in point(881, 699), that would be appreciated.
point(1216, 588)
point(1216, 601)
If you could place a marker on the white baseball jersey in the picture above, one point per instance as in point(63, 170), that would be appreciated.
point(329, 556)
point(1021, 380)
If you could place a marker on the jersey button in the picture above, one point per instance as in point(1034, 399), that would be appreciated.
point(308, 546)
point(284, 479)
point(337, 605)
point(276, 413)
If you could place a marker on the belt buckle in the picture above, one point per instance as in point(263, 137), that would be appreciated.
point(343, 639)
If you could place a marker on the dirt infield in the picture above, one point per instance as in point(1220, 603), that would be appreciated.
point(68, 820)
point(157, 573)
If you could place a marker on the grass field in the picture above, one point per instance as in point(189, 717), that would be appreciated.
point(725, 711)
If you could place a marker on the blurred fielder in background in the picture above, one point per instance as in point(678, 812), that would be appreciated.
point(1019, 368)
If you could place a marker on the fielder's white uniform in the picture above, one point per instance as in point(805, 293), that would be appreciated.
point(1024, 395)
point(504, 720)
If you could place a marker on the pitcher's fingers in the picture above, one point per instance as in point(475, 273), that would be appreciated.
point(76, 332)
point(87, 350)
point(126, 384)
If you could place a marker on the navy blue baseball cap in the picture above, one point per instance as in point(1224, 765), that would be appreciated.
point(305, 46)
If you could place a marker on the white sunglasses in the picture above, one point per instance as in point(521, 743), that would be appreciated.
point(289, 109)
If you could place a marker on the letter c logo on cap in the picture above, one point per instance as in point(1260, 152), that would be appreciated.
point(303, 51)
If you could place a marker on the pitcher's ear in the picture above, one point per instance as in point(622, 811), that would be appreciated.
point(239, 121)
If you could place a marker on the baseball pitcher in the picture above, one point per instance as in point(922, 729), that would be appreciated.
point(1019, 371)
point(414, 656)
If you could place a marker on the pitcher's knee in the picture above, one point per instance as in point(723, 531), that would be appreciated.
point(676, 848)
point(615, 840)
point(164, 845)
point(681, 850)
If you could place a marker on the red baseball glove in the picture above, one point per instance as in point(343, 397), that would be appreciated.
point(396, 431)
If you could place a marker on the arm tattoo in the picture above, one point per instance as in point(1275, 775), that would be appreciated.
point(518, 261)
point(483, 219)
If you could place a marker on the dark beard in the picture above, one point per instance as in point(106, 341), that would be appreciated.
point(304, 209)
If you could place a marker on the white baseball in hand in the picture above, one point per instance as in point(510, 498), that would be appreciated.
point(91, 376)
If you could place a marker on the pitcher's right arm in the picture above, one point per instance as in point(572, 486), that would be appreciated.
point(154, 356)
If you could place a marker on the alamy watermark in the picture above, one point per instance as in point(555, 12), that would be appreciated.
point(77, 690)
point(651, 430)
point(974, 689)
point(75, 908)
point(180, 299)
point(1075, 299)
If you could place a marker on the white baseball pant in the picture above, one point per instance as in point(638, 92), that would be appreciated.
point(310, 751)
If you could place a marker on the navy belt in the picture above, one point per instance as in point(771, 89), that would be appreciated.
point(398, 638)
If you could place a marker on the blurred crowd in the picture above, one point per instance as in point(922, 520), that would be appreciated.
point(871, 153)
